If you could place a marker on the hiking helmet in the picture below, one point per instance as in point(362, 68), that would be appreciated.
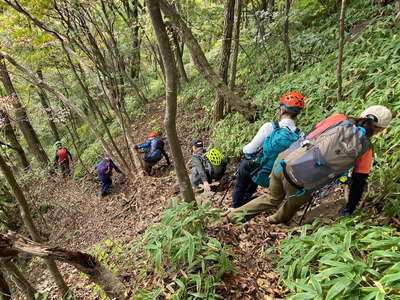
point(197, 143)
point(151, 134)
point(214, 156)
point(379, 113)
point(292, 102)
point(58, 143)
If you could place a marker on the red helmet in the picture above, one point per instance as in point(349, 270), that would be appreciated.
point(292, 102)
point(151, 134)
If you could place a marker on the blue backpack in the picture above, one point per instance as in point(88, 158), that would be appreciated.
point(276, 142)
point(155, 153)
point(103, 167)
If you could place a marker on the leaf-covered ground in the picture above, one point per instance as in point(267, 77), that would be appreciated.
point(78, 218)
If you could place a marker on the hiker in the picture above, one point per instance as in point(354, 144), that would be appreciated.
point(104, 172)
point(320, 158)
point(208, 167)
point(153, 151)
point(260, 154)
point(61, 159)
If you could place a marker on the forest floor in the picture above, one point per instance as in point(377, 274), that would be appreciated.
point(78, 218)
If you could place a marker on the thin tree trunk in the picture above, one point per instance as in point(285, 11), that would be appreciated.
point(12, 244)
point(229, 11)
point(202, 65)
point(286, 40)
point(45, 103)
point(28, 222)
point(171, 95)
point(78, 154)
point(236, 35)
point(12, 139)
point(19, 279)
point(22, 118)
point(5, 293)
point(178, 57)
point(339, 94)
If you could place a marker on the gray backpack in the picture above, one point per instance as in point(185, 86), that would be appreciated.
point(312, 163)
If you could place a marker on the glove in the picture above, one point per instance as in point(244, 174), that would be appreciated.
point(136, 147)
point(251, 165)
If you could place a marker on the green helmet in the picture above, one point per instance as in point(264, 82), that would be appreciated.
point(214, 156)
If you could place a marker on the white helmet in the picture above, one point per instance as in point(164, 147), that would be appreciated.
point(381, 113)
point(58, 143)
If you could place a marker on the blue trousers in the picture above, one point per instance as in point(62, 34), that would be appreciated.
point(244, 186)
point(106, 183)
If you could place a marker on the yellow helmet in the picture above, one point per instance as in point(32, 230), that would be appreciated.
point(214, 156)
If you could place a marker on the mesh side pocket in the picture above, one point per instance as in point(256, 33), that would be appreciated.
point(311, 167)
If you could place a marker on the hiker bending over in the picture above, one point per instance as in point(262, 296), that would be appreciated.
point(260, 154)
point(61, 159)
point(104, 172)
point(322, 157)
point(208, 167)
point(153, 151)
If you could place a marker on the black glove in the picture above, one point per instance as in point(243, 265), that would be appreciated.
point(136, 147)
point(252, 164)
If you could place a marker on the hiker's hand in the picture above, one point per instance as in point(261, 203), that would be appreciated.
point(216, 183)
point(206, 186)
point(136, 147)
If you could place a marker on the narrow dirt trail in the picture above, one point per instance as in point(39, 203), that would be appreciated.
point(78, 218)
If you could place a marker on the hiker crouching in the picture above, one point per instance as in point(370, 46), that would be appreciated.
point(104, 170)
point(208, 167)
point(320, 158)
point(260, 154)
point(153, 151)
point(61, 159)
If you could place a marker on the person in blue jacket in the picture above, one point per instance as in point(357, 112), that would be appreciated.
point(153, 151)
point(104, 170)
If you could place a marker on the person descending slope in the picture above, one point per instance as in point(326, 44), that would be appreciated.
point(104, 172)
point(153, 151)
point(61, 159)
point(326, 154)
point(260, 154)
point(208, 167)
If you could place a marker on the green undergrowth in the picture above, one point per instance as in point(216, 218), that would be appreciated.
point(346, 260)
point(186, 262)
point(370, 73)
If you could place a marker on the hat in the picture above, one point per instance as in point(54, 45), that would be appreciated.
point(197, 143)
point(380, 114)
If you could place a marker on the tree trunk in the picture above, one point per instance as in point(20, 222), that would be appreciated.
point(5, 293)
point(12, 244)
point(28, 222)
point(339, 95)
point(286, 41)
point(178, 57)
point(45, 103)
point(236, 35)
point(12, 139)
point(19, 279)
point(171, 95)
point(203, 66)
point(22, 118)
point(229, 9)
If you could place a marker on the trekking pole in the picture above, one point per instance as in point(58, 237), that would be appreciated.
point(305, 211)
point(227, 190)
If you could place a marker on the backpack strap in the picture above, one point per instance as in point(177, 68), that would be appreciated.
point(275, 125)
